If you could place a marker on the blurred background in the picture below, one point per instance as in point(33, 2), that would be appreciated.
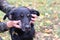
point(47, 25)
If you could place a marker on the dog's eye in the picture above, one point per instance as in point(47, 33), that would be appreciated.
point(21, 15)
point(28, 15)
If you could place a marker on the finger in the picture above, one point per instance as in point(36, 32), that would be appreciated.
point(17, 26)
point(33, 19)
point(34, 15)
point(31, 22)
point(15, 22)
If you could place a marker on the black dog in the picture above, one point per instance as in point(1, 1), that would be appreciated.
point(27, 30)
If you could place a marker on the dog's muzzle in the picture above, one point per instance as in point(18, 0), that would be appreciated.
point(25, 27)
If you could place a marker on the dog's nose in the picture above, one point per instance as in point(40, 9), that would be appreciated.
point(27, 27)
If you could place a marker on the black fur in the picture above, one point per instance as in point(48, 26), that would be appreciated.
point(27, 30)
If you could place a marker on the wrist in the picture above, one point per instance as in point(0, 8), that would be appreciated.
point(3, 26)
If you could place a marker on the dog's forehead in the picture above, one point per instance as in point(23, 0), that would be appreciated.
point(22, 11)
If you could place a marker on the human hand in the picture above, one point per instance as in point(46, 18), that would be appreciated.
point(34, 18)
point(13, 24)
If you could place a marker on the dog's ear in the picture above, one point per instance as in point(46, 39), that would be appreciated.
point(7, 16)
point(34, 12)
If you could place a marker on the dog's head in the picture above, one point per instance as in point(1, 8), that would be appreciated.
point(23, 14)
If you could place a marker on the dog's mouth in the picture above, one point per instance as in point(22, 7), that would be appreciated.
point(27, 29)
point(24, 27)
